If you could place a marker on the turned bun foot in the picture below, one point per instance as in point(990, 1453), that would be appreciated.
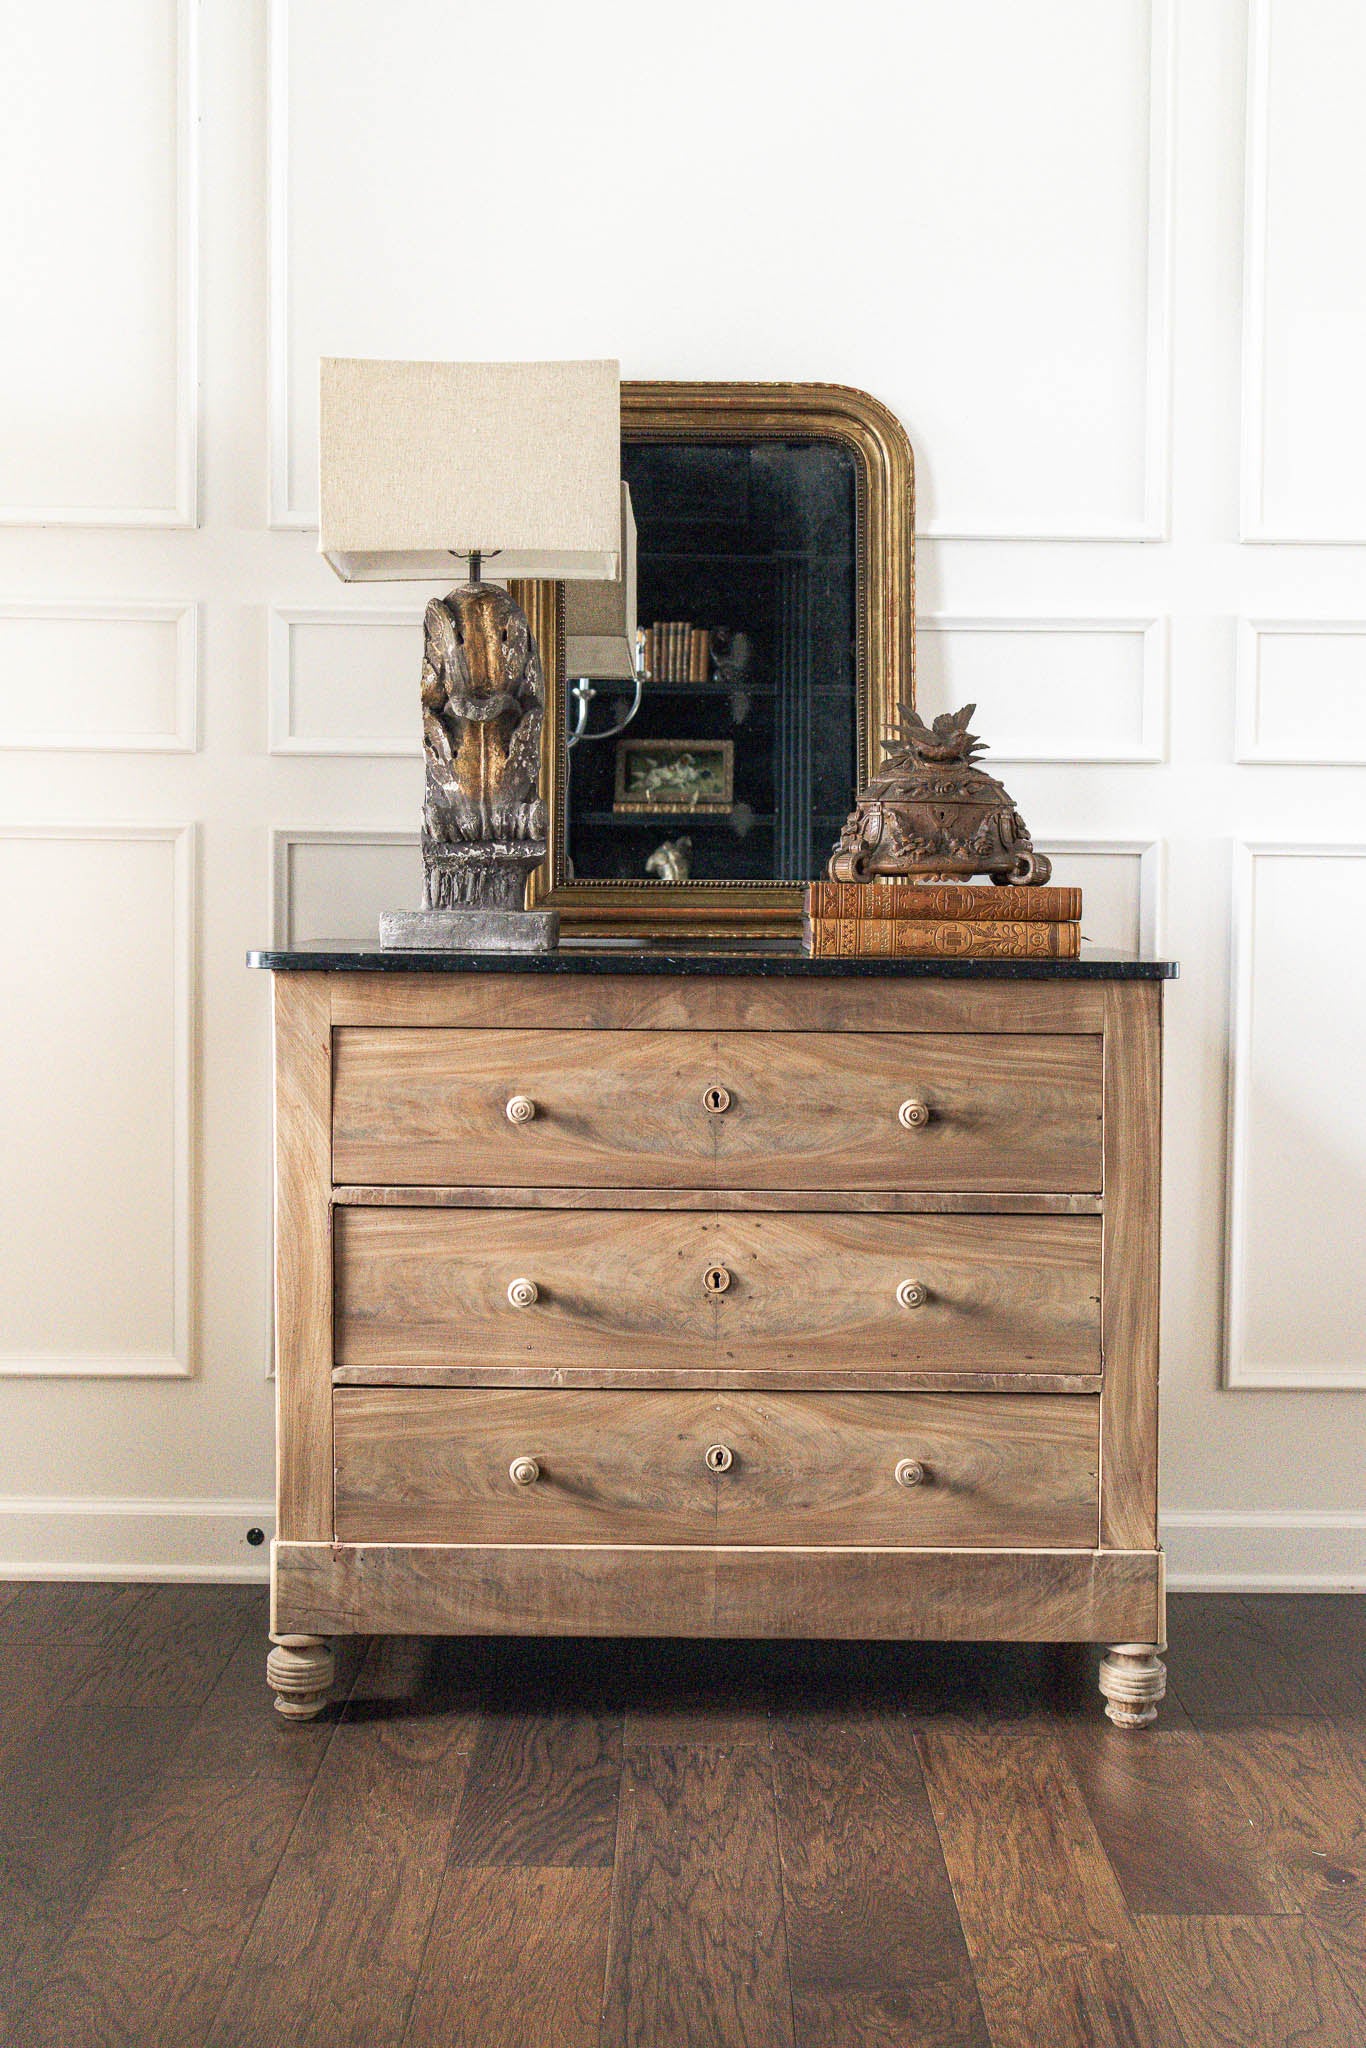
point(299, 1671)
point(1133, 1679)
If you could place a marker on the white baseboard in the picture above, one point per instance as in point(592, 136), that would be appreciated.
point(134, 1539)
point(1220, 1551)
point(1207, 1550)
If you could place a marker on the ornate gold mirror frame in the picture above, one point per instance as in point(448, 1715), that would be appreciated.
point(885, 644)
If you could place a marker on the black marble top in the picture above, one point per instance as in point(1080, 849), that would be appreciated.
point(717, 956)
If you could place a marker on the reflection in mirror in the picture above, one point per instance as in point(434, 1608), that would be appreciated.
point(740, 762)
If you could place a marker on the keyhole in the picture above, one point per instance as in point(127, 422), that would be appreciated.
point(716, 1279)
point(716, 1099)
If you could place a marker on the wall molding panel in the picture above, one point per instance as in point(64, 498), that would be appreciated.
point(284, 625)
point(178, 1362)
point(179, 736)
point(1331, 1053)
point(1251, 746)
point(1150, 741)
point(1258, 519)
point(285, 840)
point(182, 510)
point(1152, 398)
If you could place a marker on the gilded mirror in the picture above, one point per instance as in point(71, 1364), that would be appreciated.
point(776, 589)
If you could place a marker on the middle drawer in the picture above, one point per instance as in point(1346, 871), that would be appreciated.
point(580, 1293)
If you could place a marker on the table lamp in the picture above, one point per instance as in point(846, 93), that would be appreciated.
point(514, 462)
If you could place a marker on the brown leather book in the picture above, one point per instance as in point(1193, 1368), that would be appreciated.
point(892, 938)
point(948, 901)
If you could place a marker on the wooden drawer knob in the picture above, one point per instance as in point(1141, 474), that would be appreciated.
point(717, 1100)
point(521, 1109)
point(910, 1472)
point(719, 1458)
point(524, 1471)
point(913, 1113)
point(522, 1293)
point(913, 1294)
point(716, 1279)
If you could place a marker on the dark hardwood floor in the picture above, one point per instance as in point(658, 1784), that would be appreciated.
point(673, 1845)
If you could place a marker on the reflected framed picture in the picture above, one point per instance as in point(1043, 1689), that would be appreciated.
point(657, 777)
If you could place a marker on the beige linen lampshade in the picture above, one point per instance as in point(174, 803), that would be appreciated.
point(420, 461)
point(600, 618)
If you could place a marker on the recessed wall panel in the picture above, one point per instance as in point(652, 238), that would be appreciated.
point(959, 208)
point(332, 886)
point(97, 261)
point(1305, 397)
point(1047, 689)
point(346, 683)
point(97, 677)
point(94, 1254)
point(1302, 692)
point(1297, 1282)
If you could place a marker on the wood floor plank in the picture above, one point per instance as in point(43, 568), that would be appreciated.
point(150, 1958)
point(69, 1793)
point(1324, 1635)
point(876, 1952)
point(1223, 1667)
point(1236, 1983)
point(1172, 1831)
point(35, 1680)
point(542, 1791)
point(515, 1955)
point(174, 1646)
point(697, 1953)
point(334, 1955)
point(1046, 1923)
point(63, 1611)
point(1302, 1785)
point(677, 1694)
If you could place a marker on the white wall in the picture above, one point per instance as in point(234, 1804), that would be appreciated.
point(1105, 262)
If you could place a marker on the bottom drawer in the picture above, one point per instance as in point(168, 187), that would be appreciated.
point(443, 1465)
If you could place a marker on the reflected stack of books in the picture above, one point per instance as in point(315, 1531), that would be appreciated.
point(941, 921)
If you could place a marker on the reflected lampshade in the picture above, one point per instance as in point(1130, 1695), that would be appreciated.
point(600, 618)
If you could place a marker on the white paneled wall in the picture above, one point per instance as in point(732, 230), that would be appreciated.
point(1105, 262)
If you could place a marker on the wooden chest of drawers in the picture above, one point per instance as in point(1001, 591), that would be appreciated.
point(717, 1298)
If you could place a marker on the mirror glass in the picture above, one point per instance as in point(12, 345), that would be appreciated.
point(739, 762)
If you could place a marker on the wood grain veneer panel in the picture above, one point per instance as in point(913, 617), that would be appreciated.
point(1006, 1293)
point(303, 1256)
point(726, 1003)
point(821, 1110)
point(813, 1109)
point(428, 1289)
point(566, 1590)
point(1000, 1469)
point(414, 1466)
point(431, 1106)
point(1131, 1264)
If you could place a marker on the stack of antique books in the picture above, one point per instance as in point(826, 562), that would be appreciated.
point(941, 921)
point(676, 651)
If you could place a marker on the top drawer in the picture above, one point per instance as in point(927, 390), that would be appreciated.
point(697, 1109)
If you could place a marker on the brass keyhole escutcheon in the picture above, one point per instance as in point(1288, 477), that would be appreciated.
point(719, 1458)
point(716, 1279)
point(716, 1099)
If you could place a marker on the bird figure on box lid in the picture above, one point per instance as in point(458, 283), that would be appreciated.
point(933, 814)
